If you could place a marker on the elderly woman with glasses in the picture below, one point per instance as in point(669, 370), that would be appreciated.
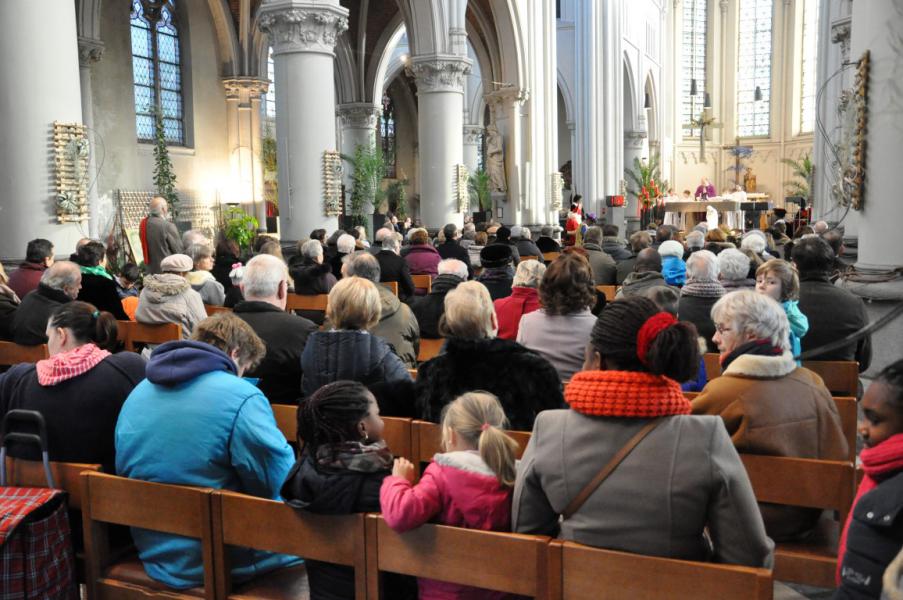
point(769, 405)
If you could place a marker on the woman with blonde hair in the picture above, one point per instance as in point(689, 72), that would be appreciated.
point(473, 358)
point(349, 351)
point(468, 485)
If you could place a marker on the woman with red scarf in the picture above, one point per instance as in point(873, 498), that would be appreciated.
point(683, 478)
point(873, 534)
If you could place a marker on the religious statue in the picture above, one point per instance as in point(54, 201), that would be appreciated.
point(495, 160)
point(749, 181)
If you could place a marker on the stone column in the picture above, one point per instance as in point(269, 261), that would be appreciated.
point(440, 121)
point(40, 78)
point(505, 105)
point(359, 122)
point(244, 134)
point(89, 52)
point(303, 36)
point(472, 138)
point(636, 145)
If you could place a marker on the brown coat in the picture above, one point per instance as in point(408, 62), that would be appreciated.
point(772, 407)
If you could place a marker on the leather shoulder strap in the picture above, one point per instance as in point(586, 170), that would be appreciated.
point(608, 469)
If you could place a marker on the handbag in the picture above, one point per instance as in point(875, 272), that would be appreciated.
point(37, 559)
point(608, 469)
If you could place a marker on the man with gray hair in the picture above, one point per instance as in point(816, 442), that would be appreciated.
point(605, 272)
point(546, 242)
point(59, 284)
point(393, 267)
point(265, 289)
point(695, 241)
point(525, 246)
point(159, 237)
point(397, 323)
point(640, 240)
point(733, 270)
point(430, 308)
point(700, 293)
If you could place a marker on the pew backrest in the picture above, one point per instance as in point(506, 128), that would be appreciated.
point(426, 441)
point(213, 309)
point(302, 302)
point(423, 282)
point(392, 285)
point(429, 348)
point(66, 476)
point(841, 377)
point(131, 333)
point(609, 291)
point(13, 354)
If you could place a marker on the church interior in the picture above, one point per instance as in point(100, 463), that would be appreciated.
point(591, 121)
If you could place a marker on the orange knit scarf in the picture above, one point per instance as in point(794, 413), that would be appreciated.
point(625, 394)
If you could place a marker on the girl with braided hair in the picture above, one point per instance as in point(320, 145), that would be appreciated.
point(675, 475)
point(342, 463)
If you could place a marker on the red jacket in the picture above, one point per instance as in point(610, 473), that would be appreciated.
point(26, 278)
point(509, 310)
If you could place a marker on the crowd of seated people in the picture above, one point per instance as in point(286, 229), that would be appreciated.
point(526, 345)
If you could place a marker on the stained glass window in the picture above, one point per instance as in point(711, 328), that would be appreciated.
point(694, 55)
point(156, 70)
point(754, 68)
point(810, 45)
point(387, 135)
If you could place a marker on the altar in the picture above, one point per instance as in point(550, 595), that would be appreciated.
point(682, 214)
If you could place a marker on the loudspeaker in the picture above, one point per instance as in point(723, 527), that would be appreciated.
point(379, 220)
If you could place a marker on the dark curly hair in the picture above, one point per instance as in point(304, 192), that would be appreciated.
point(567, 286)
point(892, 377)
point(673, 353)
point(331, 414)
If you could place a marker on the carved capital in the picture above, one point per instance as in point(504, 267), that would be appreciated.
point(723, 6)
point(472, 134)
point(634, 139)
point(90, 51)
point(507, 95)
point(440, 73)
point(295, 26)
point(358, 115)
point(245, 88)
point(840, 34)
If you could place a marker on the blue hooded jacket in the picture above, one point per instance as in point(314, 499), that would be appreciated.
point(194, 422)
point(674, 270)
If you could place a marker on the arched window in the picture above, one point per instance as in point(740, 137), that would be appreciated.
point(694, 55)
point(269, 104)
point(754, 68)
point(156, 69)
point(807, 79)
point(387, 135)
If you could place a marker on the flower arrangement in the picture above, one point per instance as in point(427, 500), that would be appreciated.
point(646, 185)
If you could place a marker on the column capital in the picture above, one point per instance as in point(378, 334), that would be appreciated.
point(507, 94)
point(90, 51)
point(440, 73)
point(472, 134)
point(634, 139)
point(241, 87)
point(358, 115)
point(840, 34)
point(296, 26)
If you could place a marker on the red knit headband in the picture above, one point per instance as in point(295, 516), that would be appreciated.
point(653, 326)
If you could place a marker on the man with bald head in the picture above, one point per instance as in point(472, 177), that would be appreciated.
point(59, 284)
point(159, 237)
point(647, 273)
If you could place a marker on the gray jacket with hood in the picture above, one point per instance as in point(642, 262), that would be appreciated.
point(168, 298)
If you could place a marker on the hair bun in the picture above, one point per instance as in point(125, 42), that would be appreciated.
point(653, 326)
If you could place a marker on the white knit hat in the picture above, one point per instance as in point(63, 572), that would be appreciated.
point(671, 248)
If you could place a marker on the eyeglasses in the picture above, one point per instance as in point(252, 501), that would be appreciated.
point(721, 328)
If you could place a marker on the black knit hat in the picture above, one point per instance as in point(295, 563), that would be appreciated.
point(496, 255)
point(503, 234)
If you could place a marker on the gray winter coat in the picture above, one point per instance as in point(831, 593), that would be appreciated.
point(168, 298)
point(616, 248)
point(683, 477)
point(398, 327)
point(162, 240)
point(605, 272)
point(211, 290)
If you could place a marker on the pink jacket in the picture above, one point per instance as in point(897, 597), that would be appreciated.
point(458, 489)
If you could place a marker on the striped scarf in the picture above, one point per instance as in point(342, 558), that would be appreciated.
point(72, 363)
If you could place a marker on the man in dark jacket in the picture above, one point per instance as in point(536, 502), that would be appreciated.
point(647, 273)
point(98, 286)
point(59, 284)
point(393, 267)
point(833, 312)
point(639, 241)
point(604, 270)
point(613, 245)
point(159, 236)
point(503, 238)
point(265, 288)
point(452, 249)
point(525, 246)
point(545, 242)
point(430, 308)
point(38, 258)
point(498, 274)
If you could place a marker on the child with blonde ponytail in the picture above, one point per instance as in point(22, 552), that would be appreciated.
point(468, 485)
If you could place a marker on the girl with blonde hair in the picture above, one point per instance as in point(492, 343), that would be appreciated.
point(468, 485)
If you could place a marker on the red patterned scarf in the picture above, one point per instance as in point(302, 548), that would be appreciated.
point(878, 463)
point(625, 394)
point(66, 365)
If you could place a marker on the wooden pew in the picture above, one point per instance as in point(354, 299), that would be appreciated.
point(550, 256)
point(507, 562)
point(841, 377)
point(413, 374)
point(131, 333)
point(179, 510)
point(429, 348)
point(608, 290)
point(392, 285)
point(240, 520)
point(426, 441)
point(301, 302)
point(13, 354)
point(588, 572)
point(810, 483)
point(712, 362)
point(66, 476)
point(287, 421)
point(529, 257)
point(397, 432)
point(213, 309)
point(422, 282)
point(849, 419)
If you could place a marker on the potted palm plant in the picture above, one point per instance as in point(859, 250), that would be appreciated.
point(478, 186)
point(368, 171)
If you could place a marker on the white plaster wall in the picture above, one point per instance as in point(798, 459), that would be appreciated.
point(202, 169)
